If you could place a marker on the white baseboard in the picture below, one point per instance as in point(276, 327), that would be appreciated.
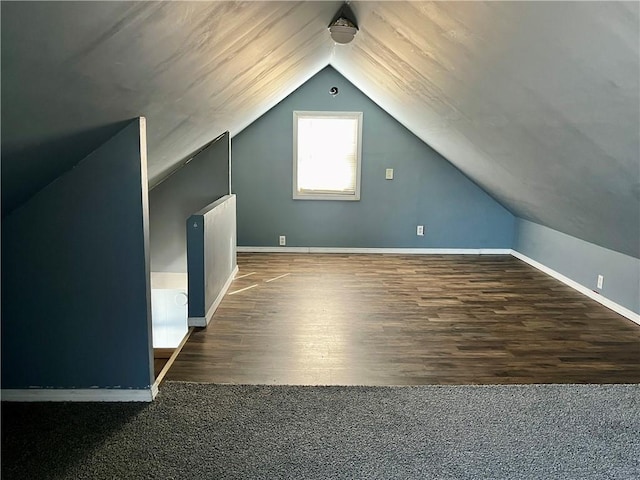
point(204, 321)
point(397, 251)
point(78, 395)
point(625, 312)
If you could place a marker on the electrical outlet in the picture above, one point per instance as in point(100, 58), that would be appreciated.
point(600, 281)
point(388, 174)
point(420, 230)
point(283, 240)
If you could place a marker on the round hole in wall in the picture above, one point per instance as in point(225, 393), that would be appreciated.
point(333, 91)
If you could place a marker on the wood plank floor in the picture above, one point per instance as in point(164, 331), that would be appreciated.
point(406, 320)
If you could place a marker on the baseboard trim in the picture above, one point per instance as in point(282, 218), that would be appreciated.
point(396, 251)
point(204, 321)
point(272, 249)
point(78, 395)
point(625, 312)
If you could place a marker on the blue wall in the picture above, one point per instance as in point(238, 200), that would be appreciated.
point(582, 262)
point(426, 190)
point(75, 277)
point(203, 180)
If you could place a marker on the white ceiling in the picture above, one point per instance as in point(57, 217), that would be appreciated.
point(538, 102)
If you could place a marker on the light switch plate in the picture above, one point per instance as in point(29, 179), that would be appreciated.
point(389, 174)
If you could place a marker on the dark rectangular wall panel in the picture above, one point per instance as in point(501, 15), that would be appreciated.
point(200, 182)
point(195, 265)
point(75, 276)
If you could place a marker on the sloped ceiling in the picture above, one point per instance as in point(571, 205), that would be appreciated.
point(72, 70)
point(538, 102)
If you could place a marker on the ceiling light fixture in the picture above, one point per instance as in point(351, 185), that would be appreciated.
point(343, 27)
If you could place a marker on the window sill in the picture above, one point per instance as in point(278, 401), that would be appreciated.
point(326, 196)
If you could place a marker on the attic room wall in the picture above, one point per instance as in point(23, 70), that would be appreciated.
point(75, 276)
point(582, 262)
point(195, 185)
point(211, 255)
point(426, 189)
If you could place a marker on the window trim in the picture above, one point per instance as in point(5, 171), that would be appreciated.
point(327, 196)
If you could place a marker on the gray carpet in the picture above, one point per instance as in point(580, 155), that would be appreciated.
point(214, 432)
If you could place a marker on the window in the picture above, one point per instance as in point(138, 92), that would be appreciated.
point(326, 155)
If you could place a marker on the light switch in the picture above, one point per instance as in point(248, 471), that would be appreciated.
point(389, 174)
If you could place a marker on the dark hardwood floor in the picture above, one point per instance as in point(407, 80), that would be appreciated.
point(158, 365)
point(400, 320)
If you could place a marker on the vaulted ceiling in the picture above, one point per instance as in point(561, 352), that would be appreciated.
point(537, 102)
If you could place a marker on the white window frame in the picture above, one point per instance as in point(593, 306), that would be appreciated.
point(322, 195)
